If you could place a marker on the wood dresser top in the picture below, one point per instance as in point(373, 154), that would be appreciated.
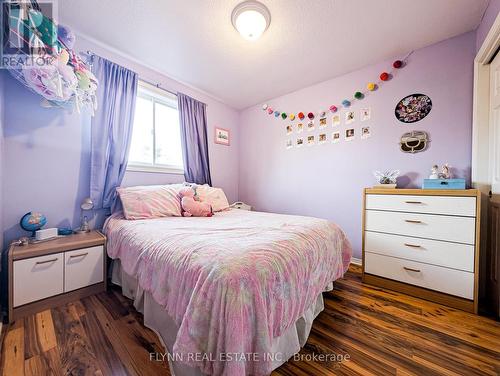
point(423, 192)
point(66, 243)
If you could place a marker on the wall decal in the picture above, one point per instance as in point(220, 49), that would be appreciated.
point(413, 108)
point(310, 140)
point(289, 144)
point(365, 133)
point(365, 114)
point(335, 137)
point(414, 142)
point(322, 138)
point(349, 134)
point(336, 120)
point(300, 127)
point(300, 142)
point(349, 117)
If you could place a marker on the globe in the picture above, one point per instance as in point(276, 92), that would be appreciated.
point(32, 222)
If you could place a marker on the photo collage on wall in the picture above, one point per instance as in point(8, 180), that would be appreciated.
point(343, 126)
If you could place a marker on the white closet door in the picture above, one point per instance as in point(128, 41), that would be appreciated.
point(495, 125)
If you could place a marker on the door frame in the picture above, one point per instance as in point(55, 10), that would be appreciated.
point(482, 143)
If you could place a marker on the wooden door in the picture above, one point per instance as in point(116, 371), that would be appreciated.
point(493, 261)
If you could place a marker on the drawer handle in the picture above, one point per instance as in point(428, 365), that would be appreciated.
point(80, 255)
point(413, 202)
point(413, 245)
point(46, 261)
point(411, 270)
point(412, 221)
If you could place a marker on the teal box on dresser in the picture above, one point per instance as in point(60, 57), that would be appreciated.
point(444, 184)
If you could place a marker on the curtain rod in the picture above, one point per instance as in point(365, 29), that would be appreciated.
point(157, 85)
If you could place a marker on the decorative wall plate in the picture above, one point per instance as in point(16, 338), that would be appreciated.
point(413, 108)
point(414, 142)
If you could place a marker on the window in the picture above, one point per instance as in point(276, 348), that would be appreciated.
point(156, 136)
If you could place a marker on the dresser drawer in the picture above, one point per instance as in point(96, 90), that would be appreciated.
point(447, 205)
point(436, 252)
point(37, 278)
point(449, 281)
point(83, 267)
point(439, 227)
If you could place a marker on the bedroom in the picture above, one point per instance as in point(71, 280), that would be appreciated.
point(227, 187)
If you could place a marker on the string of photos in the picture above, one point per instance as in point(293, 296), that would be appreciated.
point(43, 59)
point(346, 103)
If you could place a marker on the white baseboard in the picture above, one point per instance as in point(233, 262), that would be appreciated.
point(356, 261)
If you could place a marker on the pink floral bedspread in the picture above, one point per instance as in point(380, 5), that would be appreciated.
point(232, 282)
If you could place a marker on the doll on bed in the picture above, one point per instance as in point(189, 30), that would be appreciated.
point(191, 205)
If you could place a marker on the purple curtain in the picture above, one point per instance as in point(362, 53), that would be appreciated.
point(193, 120)
point(111, 129)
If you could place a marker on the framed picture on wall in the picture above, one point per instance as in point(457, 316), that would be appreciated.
point(222, 136)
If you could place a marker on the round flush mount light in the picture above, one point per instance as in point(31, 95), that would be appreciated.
point(251, 19)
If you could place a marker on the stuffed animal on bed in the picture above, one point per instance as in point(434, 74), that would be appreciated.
point(192, 207)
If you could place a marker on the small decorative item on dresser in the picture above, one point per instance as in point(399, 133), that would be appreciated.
point(443, 179)
point(386, 179)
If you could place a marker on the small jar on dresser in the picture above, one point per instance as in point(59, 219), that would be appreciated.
point(423, 243)
point(47, 274)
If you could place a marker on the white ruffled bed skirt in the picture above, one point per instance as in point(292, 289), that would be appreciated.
point(155, 318)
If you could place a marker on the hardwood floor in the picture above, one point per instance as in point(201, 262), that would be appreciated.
point(378, 332)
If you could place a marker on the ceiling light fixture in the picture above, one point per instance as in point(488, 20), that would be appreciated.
point(251, 19)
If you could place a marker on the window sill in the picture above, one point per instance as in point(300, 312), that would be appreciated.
point(156, 170)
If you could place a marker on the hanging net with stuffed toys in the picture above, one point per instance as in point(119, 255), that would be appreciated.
point(44, 60)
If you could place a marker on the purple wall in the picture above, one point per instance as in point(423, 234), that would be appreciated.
point(488, 19)
point(46, 152)
point(327, 180)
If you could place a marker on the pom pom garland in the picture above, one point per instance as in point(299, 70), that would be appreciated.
point(358, 95)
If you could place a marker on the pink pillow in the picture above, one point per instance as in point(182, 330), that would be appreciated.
point(214, 196)
point(150, 201)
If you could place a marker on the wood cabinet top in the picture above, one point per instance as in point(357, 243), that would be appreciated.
point(62, 244)
point(424, 192)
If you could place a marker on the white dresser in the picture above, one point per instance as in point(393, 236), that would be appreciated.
point(423, 243)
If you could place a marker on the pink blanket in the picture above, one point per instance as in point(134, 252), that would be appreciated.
point(232, 282)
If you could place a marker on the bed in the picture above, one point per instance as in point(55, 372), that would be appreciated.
point(234, 294)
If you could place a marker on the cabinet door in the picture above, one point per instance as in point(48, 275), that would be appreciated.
point(37, 278)
point(493, 260)
point(83, 267)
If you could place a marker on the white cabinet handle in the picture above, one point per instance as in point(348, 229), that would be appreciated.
point(46, 261)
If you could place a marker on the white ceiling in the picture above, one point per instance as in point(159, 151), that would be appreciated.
point(308, 41)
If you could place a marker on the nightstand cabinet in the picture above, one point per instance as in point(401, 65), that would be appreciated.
point(423, 243)
point(51, 273)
